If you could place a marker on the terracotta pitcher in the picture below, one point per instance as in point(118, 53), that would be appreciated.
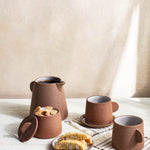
point(48, 91)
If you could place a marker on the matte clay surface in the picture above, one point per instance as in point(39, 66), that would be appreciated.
point(99, 110)
point(27, 128)
point(48, 91)
point(49, 126)
point(43, 127)
point(128, 133)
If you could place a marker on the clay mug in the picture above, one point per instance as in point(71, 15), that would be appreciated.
point(128, 133)
point(48, 91)
point(99, 110)
point(49, 126)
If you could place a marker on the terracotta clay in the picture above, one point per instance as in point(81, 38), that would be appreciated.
point(99, 110)
point(48, 91)
point(43, 127)
point(48, 126)
point(128, 133)
point(27, 128)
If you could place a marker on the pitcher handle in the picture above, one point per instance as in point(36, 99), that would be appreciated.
point(31, 86)
point(115, 106)
point(139, 136)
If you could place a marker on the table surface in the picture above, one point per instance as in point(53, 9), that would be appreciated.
point(12, 111)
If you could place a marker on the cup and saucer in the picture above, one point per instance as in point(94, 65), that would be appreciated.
point(99, 112)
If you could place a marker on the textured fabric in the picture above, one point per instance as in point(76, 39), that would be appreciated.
point(97, 47)
point(102, 137)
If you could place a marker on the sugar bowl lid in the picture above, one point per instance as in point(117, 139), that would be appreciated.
point(27, 128)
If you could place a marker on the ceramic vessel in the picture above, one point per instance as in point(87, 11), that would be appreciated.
point(48, 91)
point(43, 127)
point(128, 133)
point(99, 110)
point(48, 126)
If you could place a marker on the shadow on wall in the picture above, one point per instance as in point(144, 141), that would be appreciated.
point(83, 43)
point(143, 54)
point(114, 55)
point(132, 78)
point(112, 60)
point(123, 84)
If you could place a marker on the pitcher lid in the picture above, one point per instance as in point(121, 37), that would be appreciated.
point(27, 128)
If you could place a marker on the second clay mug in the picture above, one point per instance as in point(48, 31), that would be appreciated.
point(128, 133)
point(99, 110)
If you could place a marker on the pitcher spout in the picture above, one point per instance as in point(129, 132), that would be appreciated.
point(60, 83)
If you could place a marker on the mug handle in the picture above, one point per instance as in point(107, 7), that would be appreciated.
point(139, 136)
point(115, 106)
point(31, 85)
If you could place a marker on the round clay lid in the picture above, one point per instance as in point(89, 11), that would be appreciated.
point(27, 128)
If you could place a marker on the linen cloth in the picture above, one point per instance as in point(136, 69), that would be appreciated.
point(102, 137)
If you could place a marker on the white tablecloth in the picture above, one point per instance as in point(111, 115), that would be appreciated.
point(12, 111)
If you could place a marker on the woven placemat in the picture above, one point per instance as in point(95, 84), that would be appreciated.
point(102, 137)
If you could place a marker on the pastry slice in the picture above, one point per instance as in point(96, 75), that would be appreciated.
point(71, 145)
point(76, 136)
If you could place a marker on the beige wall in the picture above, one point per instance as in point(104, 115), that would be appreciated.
point(96, 47)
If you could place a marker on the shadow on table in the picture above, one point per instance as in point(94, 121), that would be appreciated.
point(15, 110)
point(49, 147)
point(12, 130)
